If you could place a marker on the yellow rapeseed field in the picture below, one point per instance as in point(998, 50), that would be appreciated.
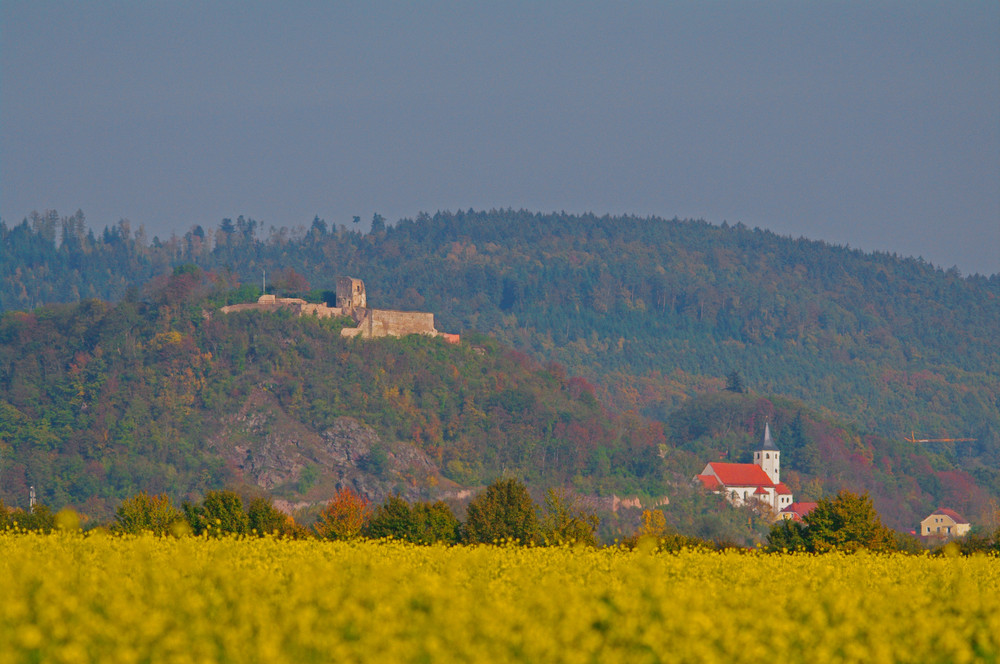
point(70, 598)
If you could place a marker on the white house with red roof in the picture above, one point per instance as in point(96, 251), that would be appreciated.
point(944, 522)
point(745, 482)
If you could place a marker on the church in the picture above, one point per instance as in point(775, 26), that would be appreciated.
point(742, 483)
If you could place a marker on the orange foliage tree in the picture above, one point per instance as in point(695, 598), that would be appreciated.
point(344, 516)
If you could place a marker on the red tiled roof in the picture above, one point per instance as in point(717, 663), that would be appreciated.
point(950, 513)
point(801, 509)
point(761, 491)
point(741, 474)
point(709, 481)
point(782, 489)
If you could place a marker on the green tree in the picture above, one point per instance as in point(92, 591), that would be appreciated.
point(421, 523)
point(263, 518)
point(787, 535)
point(5, 521)
point(435, 523)
point(220, 513)
point(145, 513)
point(504, 512)
point(563, 522)
point(393, 518)
point(847, 522)
point(734, 382)
point(41, 519)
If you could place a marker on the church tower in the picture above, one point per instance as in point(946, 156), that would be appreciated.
point(767, 456)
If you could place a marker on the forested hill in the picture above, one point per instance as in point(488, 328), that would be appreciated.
point(169, 395)
point(650, 310)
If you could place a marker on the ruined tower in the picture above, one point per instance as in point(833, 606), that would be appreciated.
point(351, 294)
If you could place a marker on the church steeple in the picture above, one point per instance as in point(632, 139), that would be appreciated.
point(768, 456)
point(768, 443)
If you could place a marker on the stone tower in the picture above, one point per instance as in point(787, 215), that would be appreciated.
point(768, 456)
point(351, 294)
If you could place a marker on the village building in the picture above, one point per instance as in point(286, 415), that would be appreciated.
point(751, 483)
point(797, 511)
point(945, 523)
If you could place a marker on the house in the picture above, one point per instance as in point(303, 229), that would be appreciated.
point(796, 511)
point(759, 481)
point(944, 522)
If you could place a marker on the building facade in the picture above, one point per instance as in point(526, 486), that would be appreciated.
point(759, 481)
point(944, 522)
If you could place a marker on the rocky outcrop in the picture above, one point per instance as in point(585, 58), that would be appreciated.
point(269, 449)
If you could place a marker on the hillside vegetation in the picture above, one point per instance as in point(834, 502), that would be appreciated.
point(169, 395)
point(650, 310)
point(653, 314)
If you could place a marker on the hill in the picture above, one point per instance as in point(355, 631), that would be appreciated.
point(168, 394)
point(651, 312)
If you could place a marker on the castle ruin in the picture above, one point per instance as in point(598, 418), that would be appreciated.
point(352, 301)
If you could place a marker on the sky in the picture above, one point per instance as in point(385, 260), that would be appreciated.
point(869, 124)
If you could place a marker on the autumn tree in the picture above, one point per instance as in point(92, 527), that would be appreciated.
point(504, 512)
point(344, 516)
point(654, 524)
point(653, 531)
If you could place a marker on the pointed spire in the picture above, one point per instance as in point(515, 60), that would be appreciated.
point(768, 443)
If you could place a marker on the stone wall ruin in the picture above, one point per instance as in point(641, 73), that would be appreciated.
point(352, 301)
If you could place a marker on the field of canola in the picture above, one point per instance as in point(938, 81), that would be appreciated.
point(67, 598)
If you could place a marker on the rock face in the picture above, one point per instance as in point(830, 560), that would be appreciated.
point(267, 448)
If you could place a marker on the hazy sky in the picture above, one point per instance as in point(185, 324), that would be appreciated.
point(873, 124)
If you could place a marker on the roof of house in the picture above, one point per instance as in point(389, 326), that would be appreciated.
point(709, 481)
point(782, 489)
point(761, 491)
point(768, 443)
point(740, 474)
point(949, 513)
point(799, 510)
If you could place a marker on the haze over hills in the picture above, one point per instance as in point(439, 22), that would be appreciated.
point(652, 312)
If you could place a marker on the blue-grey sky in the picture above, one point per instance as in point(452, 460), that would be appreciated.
point(873, 124)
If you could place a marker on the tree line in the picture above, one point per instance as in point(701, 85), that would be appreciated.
point(502, 514)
